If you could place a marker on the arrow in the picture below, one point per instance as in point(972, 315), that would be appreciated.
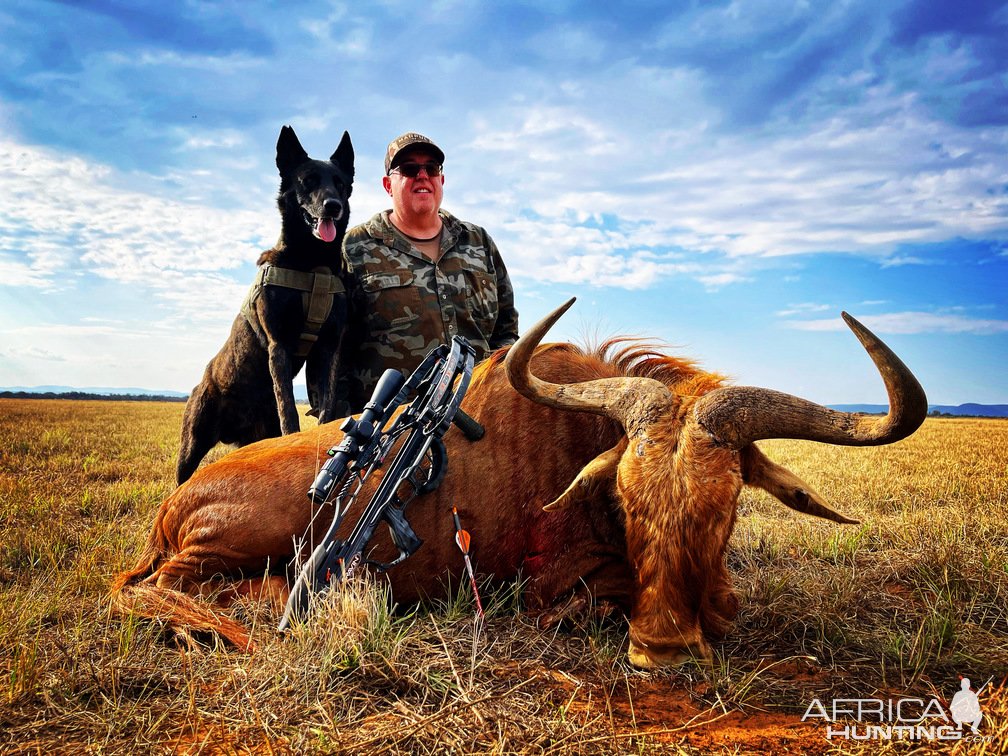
point(462, 539)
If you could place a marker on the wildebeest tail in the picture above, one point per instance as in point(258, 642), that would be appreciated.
point(181, 610)
point(132, 595)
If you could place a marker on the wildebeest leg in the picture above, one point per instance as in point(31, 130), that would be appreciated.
point(272, 589)
point(784, 485)
point(575, 604)
point(200, 432)
point(597, 477)
point(283, 388)
point(578, 605)
point(207, 555)
point(188, 570)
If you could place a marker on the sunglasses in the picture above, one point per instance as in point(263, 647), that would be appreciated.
point(412, 170)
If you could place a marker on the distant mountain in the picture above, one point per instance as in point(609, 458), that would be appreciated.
point(971, 410)
point(300, 392)
point(97, 390)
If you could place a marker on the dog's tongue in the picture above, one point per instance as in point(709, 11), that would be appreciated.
point(326, 229)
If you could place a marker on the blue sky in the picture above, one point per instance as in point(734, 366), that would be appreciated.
point(722, 177)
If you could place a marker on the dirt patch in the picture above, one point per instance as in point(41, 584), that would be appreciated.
point(672, 716)
point(639, 710)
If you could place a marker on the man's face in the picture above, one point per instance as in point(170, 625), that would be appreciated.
point(415, 196)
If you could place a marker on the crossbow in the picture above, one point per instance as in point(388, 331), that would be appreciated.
point(436, 387)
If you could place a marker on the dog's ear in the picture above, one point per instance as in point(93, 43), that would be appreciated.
point(290, 153)
point(343, 157)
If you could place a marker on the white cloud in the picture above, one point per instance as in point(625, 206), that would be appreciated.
point(804, 308)
point(720, 280)
point(227, 139)
point(64, 217)
point(341, 35)
point(146, 352)
point(910, 323)
point(866, 180)
point(568, 41)
point(184, 62)
point(19, 273)
point(32, 353)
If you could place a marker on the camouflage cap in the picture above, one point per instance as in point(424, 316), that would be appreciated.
point(400, 144)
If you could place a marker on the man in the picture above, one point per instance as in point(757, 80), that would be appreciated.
point(419, 276)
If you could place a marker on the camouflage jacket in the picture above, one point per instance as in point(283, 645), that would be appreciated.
point(404, 305)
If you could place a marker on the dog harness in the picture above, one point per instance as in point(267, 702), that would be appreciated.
point(318, 288)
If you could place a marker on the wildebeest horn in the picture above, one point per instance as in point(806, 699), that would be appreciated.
point(634, 402)
point(738, 415)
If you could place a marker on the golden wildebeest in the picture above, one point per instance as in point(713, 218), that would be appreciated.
point(618, 481)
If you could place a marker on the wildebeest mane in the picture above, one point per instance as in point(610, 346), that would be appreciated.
point(629, 357)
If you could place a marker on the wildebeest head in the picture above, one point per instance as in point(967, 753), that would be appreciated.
point(678, 472)
point(314, 193)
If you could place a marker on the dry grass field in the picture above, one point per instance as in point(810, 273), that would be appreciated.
point(898, 607)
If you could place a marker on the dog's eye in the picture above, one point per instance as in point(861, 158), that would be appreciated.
point(310, 182)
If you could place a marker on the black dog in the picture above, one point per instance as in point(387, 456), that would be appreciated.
point(295, 313)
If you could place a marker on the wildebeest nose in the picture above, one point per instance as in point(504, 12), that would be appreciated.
point(333, 208)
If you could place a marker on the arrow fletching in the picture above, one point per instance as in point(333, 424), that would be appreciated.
point(462, 539)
